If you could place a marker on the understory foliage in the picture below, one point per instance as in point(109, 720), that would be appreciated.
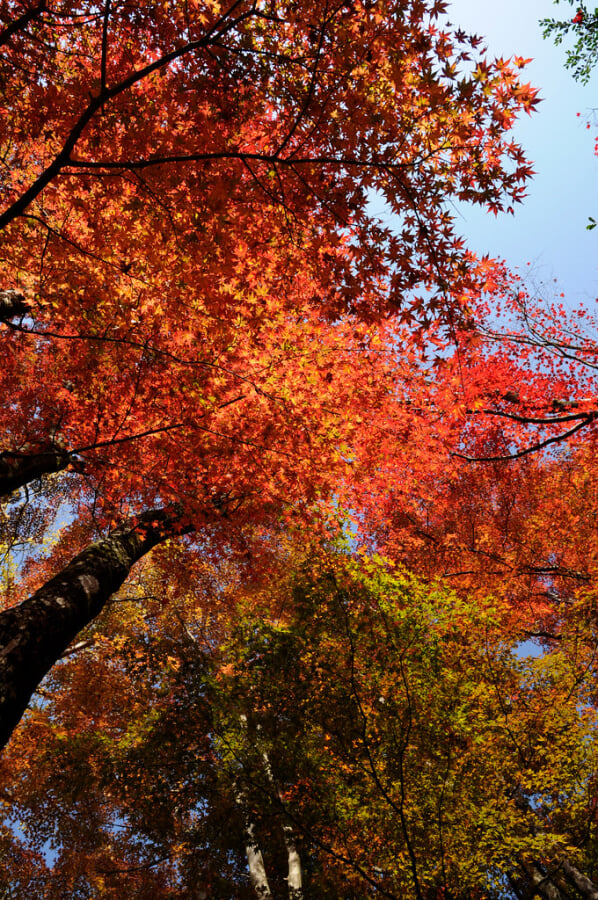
point(395, 730)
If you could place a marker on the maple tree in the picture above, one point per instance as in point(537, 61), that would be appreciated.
point(212, 343)
point(490, 483)
point(196, 291)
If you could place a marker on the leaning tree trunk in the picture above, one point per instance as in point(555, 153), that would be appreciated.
point(35, 634)
point(18, 469)
point(586, 887)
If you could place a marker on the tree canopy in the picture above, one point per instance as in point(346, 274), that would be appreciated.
point(351, 731)
point(193, 269)
point(240, 330)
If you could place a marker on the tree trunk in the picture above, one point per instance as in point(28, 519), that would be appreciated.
point(35, 634)
point(542, 883)
point(255, 859)
point(18, 469)
point(586, 888)
point(295, 877)
point(12, 304)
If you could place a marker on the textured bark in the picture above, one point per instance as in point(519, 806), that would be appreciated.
point(12, 304)
point(295, 877)
point(582, 883)
point(543, 884)
point(255, 859)
point(19, 469)
point(35, 634)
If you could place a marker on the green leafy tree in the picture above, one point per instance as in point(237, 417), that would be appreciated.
point(351, 733)
point(583, 28)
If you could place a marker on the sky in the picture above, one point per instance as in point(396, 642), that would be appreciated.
point(548, 229)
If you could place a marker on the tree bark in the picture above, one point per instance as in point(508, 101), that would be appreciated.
point(255, 859)
point(35, 634)
point(12, 304)
point(19, 469)
point(295, 877)
point(542, 883)
point(582, 883)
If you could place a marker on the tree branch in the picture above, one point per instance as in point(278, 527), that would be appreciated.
point(19, 468)
point(19, 24)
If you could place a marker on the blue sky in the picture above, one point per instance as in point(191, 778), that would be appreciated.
point(548, 229)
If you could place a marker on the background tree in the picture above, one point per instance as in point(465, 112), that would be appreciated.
point(488, 478)
point(583, 26)
point(210, 339)
point(387, 728)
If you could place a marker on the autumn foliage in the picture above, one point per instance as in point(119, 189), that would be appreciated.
point(240, 329)
point(188, 206)
point(387, 730)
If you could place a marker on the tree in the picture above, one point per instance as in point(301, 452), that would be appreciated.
point(196, 290)
point(385, 729)
point(584, 27)
point(490, 483)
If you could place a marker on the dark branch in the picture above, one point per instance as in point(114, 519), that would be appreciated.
point(533, 448)
point(20, 468)
point(19, 24)
point(63, 158)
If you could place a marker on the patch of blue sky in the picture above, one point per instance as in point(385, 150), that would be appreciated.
point(548, 230)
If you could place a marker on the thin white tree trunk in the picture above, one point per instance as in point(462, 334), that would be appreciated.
point(295, 877)
point(255, 859)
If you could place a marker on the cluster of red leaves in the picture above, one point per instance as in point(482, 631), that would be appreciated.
point(186, 202)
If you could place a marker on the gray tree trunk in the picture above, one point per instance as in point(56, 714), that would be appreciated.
point(586, 888)
point(295, 877)
point(543, 884)
point(255, 859)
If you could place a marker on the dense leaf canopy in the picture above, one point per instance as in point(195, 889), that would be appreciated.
point(240, 330)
